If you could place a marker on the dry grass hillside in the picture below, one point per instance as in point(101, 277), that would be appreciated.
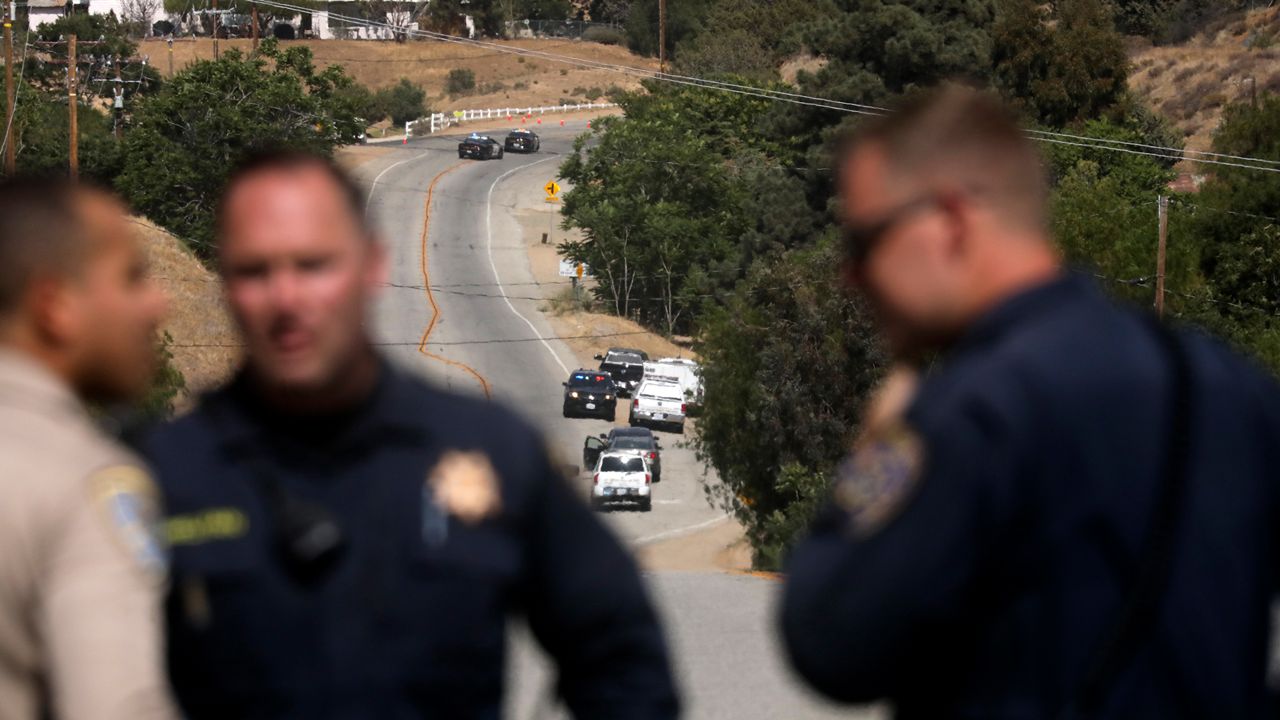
point(502, 79)
point(197, 313)
point(1190, 83)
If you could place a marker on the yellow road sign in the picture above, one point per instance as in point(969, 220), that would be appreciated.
point(552, 188)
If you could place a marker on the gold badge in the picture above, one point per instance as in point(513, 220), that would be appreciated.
point(875, 482)
point(466, 486)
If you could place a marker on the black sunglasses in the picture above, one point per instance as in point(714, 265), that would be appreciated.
point(861, 239)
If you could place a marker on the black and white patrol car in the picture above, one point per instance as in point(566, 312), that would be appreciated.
point(479, 147)
point(522, 141)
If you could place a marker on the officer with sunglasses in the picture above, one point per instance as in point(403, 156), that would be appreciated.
point(349, 542)
point(1055, 507)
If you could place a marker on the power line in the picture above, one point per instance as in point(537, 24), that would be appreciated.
point(806, 100)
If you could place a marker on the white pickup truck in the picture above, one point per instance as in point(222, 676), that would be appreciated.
point(659, 401)
point(685, 372)
point(622, 477)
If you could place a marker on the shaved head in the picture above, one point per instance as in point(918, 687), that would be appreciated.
point(43, 233)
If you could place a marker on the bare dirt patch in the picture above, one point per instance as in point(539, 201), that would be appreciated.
point(204, 338)
point(1190, 83)
point(501, 78)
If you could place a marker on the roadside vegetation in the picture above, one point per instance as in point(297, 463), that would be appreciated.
point(709, 214)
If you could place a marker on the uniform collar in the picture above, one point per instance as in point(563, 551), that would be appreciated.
point(390, 413)
point(1026, 306)
point(24, 381)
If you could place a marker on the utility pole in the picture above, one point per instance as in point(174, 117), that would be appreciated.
point(662, 35)
point(10, 151)
point(215, 30)
point(1160, 251)
point(254, 13)
point(118, 106)
point(72, 95)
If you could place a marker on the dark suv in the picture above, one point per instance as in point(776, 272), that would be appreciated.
point(637, 440)
point(590, 393)
point(625, 366)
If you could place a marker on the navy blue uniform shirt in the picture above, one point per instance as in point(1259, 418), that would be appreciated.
point(410, 620)
point(975, 556)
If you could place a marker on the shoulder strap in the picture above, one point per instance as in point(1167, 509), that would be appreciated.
point(1139, 612)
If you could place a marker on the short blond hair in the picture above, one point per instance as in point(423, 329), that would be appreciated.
point(961, 137)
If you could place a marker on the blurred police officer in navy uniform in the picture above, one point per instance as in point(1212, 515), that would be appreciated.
point(350, 542)
point(1072, 512)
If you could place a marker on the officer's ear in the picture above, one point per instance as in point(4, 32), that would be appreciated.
point(957, 210)
point(54, 309)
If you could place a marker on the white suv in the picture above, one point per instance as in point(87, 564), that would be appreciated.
point(622, 477)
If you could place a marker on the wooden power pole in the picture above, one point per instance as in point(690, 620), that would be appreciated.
point(72, 100)
point(10, 149)
point(254, 13)
point(215, 30)
point(662, 35)
point(117, 107)
point(1160, 251)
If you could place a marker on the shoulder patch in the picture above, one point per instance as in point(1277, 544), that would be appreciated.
point(466, 486)
point(127, 497)
point(875, 482)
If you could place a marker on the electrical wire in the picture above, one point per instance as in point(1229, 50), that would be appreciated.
point(810, 100)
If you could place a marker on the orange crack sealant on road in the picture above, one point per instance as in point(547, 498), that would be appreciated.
point(431, 298)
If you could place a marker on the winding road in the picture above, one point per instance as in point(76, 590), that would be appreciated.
point(451, 226)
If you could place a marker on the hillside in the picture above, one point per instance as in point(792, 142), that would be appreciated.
point(197, 311)
point(1190, 83)
point(502, 79)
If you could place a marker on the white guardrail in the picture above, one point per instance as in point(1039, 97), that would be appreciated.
point(440, 121)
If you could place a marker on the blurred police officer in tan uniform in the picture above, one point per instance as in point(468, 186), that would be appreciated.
point(81, 570)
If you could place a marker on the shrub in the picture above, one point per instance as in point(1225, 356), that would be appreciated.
point(604, 35)
point(460, 81)
point(521, 85)
point(563, 72)
point(593, 94)
point(403, 101)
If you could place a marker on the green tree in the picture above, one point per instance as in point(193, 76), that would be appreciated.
point(41, 133)
point(750, 37)
point(1233, 219)
point(788, 363)
point(403, 102)
point(684, 20)
point(666, 200)
point(1072, 69)
point(546, 9)
point(186, 138)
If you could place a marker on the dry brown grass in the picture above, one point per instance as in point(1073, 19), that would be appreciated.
point(197, 311)
point(1190, 83)
point(523, 80)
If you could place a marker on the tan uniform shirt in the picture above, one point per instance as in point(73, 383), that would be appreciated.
point(81, 572)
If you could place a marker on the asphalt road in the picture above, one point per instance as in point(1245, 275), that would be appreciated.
point(449, 224)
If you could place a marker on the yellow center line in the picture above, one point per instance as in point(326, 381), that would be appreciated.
point(431, 298)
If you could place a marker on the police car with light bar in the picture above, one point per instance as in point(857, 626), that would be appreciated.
point(590, 393)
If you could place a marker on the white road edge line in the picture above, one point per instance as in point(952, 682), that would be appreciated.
point(374, 185)
point(488, 231)
point(679, 531)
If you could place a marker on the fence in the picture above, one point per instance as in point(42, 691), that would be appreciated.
point(439, 121)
